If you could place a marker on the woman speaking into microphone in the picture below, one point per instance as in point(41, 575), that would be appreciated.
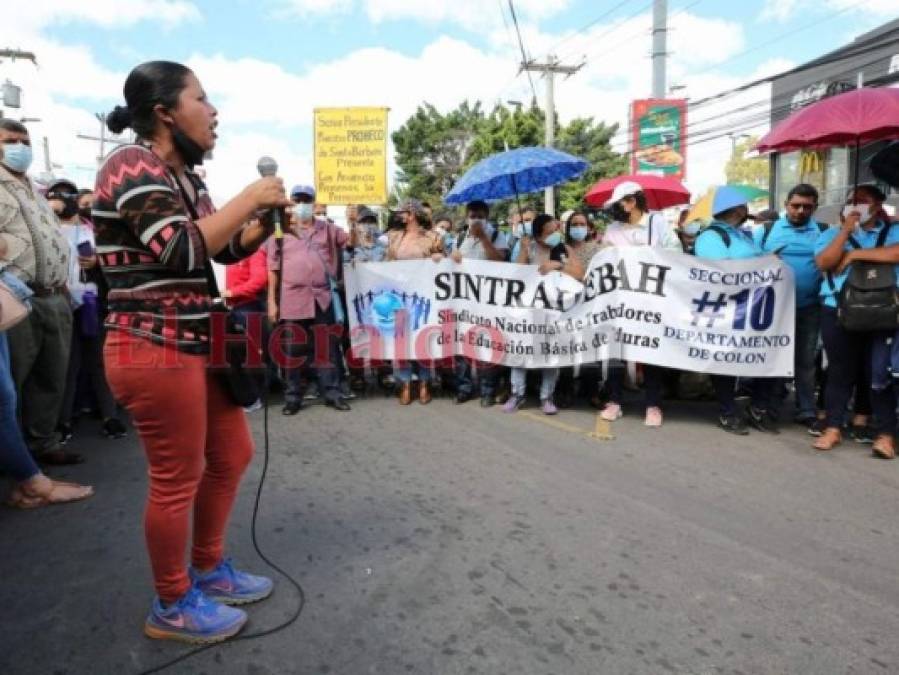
point(156, 231)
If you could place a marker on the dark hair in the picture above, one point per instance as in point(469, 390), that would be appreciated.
point(526, 208)
point(439, 218)
point(803, 190)
point(85, 191)
point(872, 191)
point(12, 126)
point(477, 204)
point(148, 85)
point(576, 212)
point(640, 199)
point(539, 224)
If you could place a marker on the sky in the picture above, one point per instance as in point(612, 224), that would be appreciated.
point(266, 64)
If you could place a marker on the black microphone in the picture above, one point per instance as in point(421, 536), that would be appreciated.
point(269, 167)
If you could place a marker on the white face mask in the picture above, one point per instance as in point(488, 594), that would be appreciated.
point(383, 240)
point(864, 211)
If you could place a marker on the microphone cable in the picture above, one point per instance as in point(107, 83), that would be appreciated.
point(253, 534)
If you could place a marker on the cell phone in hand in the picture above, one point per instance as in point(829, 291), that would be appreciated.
point(85, 249)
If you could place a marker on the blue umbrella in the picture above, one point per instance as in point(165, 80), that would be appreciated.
point(510, 173)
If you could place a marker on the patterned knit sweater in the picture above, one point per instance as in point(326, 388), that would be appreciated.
point(152, 253)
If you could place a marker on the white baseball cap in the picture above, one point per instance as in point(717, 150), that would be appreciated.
point(622, 190)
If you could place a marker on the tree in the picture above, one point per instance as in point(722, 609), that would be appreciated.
point(743, 170)
point(583, 137)
point(433, 150)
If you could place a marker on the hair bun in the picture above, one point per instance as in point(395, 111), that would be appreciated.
point(119, 119)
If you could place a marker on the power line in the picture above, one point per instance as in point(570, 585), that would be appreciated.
point(587, 27)
point(524, 56)
point(590, 56)
point(787, 34)
point(783, 108)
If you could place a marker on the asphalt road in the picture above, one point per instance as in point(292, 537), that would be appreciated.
point(453, 540)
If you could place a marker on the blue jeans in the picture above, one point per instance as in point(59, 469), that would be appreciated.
point(402, 371)
point(548, 378)
point(14, 456)
point(808, 329)
point(324, 366)
point(487, 373)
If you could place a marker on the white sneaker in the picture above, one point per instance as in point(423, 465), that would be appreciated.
point(257, 405)
point(611, 412)
point(653, 417)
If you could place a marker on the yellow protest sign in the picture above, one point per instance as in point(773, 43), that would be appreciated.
point(351, 155)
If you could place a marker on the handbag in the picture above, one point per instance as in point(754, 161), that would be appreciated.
point(13, 301)
point(243, 382)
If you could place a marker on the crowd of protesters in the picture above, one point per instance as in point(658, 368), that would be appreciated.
point(98, 274)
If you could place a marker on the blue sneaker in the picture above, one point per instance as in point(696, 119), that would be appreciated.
point(231, 587)
point(195, 619)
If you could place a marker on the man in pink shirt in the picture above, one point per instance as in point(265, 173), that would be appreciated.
point(312, 250)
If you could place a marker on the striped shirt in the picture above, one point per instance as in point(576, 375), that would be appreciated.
point(152, 253)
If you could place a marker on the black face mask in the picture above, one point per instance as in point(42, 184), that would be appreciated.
point(188, 148)
point(69, 209)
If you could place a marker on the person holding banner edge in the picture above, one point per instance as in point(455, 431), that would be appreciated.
point(725, 239)
point(413, 241)
point(545, 246)
point(635, 225)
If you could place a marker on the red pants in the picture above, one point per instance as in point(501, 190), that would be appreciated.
point(197, 444)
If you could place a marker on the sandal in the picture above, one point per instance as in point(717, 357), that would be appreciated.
point(884, 447)
point(60, 493)
point(60, 458)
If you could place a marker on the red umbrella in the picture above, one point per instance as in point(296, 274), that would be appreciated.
point(660, 192)
point(855, 118)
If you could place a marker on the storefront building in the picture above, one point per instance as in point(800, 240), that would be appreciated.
point(873, 60)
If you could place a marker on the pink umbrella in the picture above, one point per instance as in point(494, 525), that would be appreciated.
point(660, 192)
point(855, 118)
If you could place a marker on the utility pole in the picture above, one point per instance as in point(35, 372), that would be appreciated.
point(550, 69)
point(102, 138)
point(659, 47)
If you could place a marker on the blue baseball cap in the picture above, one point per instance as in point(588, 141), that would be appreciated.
point(298, 190)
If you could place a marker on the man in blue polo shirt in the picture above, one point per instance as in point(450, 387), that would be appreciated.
point(793, 237)
point(725, 239)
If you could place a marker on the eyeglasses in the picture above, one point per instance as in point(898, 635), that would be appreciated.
point(802, 207)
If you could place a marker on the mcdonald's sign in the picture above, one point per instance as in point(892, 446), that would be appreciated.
point(811, 162)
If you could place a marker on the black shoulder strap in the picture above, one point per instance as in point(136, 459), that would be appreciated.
point(884, 232)
point(768, 227)
point(192, 210)
point(853, 242)
point(724, 234)
point(823, 227)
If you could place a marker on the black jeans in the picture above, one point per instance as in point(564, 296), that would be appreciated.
point(844, 373)
point(725, 391)
point(652, 383)
point(317, 358)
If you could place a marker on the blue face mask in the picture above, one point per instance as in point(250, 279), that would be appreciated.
point(578, 232)
point(304, 211)
point(17, 157)
point(554, 239)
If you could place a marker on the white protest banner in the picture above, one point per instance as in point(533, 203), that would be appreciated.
point(730, 317)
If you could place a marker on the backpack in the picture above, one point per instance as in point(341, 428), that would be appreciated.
point(869, 299)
